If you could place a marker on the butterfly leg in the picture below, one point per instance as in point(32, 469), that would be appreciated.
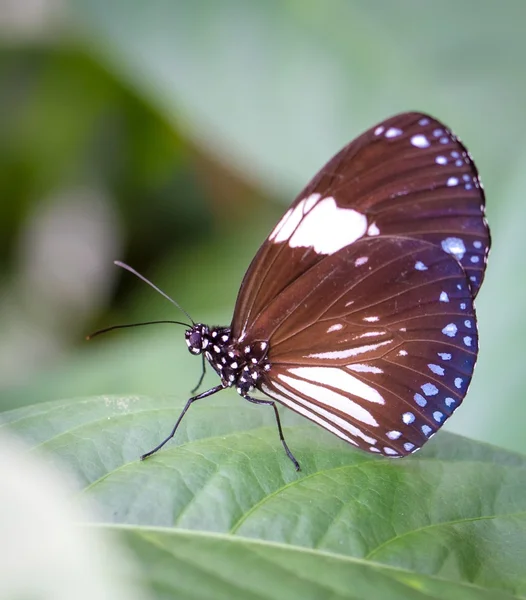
point(209, 392)
point(203, 371)
point(280, 430)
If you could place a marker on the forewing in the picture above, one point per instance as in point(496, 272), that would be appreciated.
point(377, 343)
point(409, 176)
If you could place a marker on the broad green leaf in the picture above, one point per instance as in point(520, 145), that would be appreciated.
point(183, 564)
point(455, 511)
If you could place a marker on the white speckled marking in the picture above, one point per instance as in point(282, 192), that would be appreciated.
point(420, 400)
point(437, 369)
point(429, 389)
point(373, 229)
point(420, 141)
point(393, 132)
point(390, 451)
point(408, 418)
point(455, 247)
point(450, 330)
point(438, 416)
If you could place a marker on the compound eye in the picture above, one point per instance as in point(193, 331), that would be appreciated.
point(195, 340)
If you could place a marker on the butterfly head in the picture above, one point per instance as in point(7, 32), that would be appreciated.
point(197, 338)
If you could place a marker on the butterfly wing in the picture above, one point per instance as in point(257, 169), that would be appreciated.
point(409, 176)
point(377, 343)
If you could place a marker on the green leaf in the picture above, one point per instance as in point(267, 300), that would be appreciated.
point(184, 564)
point(454, 515)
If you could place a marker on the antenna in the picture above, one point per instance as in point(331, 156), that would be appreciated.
point(131, 270)
point(106, 329)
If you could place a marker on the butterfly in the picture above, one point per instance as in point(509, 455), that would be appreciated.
point(357, 312)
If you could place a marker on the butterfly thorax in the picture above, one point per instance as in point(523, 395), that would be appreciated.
point(238, 365)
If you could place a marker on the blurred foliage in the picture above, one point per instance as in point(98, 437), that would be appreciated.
point(172, 134)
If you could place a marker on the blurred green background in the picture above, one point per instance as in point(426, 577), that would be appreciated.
point(173, 134)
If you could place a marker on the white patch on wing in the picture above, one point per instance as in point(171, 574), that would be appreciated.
point(330, 400)
point(326, 227)
point(349, 352)
point(363, 368)
point(335, 327)
point(371, 334)
point(337, 378)
point(352, 429)
point(295, 405)
point(291, 219)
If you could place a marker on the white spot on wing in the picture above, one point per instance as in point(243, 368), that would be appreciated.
point(408, 418)
point(429, 389)
point(373, 229)
point(335, 327)
point(444, 297)
point(390, 451)
point(420, 141)
point(361, 261)
point(454, 246)
point(437, 369)
point(393, 132)
point(420, 266)
point(450, 330)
